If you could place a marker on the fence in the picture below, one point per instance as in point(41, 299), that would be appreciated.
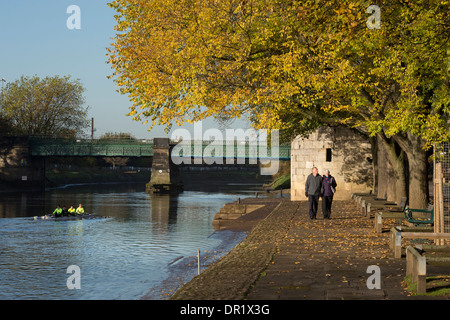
point(442, 189)
point(144, 148)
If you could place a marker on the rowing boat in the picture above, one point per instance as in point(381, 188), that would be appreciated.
point(85, 216)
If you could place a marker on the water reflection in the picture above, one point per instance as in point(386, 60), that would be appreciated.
point(164, 208)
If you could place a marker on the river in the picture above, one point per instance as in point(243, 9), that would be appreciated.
point(145, 249)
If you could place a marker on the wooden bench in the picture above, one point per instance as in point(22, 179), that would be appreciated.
point(416, 267)
point(417, 260)
point(379, 216)
point(358, 197)
point(363, 201)
point(397, 233)
point(386, 206)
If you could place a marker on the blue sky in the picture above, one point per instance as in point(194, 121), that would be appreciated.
point(35, 40)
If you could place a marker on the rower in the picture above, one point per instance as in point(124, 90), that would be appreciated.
point(64, 211)
point(80, 209)
point(71, 211)
point(58, 211)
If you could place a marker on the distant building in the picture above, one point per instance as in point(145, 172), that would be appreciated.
point(345, 153)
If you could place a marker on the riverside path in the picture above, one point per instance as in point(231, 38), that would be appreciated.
point(288, 256)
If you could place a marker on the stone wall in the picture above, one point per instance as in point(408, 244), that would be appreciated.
point(349, 159)
point(17, 167)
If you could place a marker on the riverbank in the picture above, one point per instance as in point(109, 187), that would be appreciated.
point(232, 276)
point(289, 256)
point(183, 269)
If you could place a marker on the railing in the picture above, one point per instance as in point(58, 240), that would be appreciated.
point(144, 148)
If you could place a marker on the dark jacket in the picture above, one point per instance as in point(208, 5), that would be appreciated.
point(313, 185)
point(327, 184)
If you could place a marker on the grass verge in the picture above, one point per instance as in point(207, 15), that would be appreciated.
point(437, 286)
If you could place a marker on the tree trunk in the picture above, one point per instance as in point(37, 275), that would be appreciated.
point(397, 177)
point(374, 148)
point(418, 173)
point(382, 171)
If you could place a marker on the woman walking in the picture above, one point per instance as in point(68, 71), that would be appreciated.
point(328, 189)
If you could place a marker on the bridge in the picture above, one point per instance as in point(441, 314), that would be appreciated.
point(22, 159)
point(144, 148)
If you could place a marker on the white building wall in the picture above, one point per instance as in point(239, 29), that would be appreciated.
point(350, 161)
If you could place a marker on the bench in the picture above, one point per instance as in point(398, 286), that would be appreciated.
point(386, 206)
point(397, 233)
point(417, 260)
point(417, 217)
point(359, 197)
point(420, 216)
point(378, 226)
point(416, 267)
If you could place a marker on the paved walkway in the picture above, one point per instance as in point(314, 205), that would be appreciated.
point(289, 256)
point(328, 259)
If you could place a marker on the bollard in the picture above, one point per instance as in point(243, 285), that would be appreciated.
point(379, 222)
point(363, 207)
point(398, 245)
point(198, 261)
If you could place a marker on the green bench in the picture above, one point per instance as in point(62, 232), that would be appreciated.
point(420, 216)
point(417, 217)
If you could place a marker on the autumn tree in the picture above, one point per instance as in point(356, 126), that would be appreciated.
point(52, 106)
point(294, 66)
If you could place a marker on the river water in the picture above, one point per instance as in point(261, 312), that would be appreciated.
point(145, 249)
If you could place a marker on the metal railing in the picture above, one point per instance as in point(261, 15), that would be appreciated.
point(144, 148)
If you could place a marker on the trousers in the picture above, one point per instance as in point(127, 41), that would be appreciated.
point(313, 204)
point(326, 206)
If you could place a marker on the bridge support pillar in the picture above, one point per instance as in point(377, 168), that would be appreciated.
point(165, 175)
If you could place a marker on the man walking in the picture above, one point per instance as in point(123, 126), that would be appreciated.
point(313, 188)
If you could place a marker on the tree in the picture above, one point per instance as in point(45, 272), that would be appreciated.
point(50, 106)
point(5, 126)
point(116, 161)
point(118, 136)
point(294, 65)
